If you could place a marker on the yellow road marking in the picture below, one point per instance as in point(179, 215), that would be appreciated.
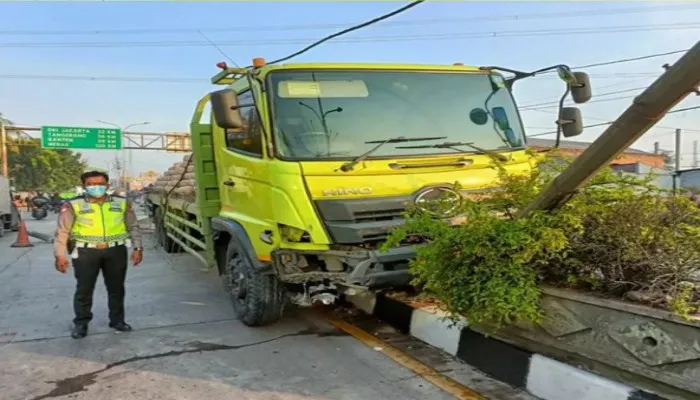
point(445, 383)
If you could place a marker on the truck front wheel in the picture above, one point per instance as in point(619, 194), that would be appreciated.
point(258, 299)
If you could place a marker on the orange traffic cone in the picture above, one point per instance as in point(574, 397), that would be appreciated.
point(22, 236)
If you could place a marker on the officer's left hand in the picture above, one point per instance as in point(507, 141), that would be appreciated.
point(137, 257)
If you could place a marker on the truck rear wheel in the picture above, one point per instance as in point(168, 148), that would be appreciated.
point(258, 299)
point(164, 240)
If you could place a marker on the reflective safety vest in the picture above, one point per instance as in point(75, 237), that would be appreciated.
point(99, 223)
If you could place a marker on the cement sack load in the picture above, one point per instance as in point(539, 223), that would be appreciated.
point(174, 181)
point(177, 171)
point(190, 175)
point(186, 190)
point(187, 182)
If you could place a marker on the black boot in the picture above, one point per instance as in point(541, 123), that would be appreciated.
point(79, 331)
point(121, 326)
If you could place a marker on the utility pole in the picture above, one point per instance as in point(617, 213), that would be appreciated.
point(695, 153)
point(677, 165)
point(125, 167)
point(678, 150)
point(646, 110)
point(3, 148)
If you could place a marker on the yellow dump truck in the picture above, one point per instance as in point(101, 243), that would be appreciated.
point(301, 170)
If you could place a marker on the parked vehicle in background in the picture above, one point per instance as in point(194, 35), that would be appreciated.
point(9, 214)
point(40, 207)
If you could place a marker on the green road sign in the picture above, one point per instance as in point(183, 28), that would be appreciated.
point(72, 137)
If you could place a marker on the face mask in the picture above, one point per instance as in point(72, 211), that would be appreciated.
point(96, 191)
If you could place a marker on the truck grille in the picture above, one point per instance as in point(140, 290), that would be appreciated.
point(357, 221)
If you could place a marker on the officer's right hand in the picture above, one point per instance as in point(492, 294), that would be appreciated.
point(62, 264)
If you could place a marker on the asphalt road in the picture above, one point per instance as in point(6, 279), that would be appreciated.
point(186, 343)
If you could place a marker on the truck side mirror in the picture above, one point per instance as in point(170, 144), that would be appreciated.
point(571, 121)
point(225, 107)
point(581, 90)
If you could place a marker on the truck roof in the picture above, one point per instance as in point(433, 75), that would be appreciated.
point(372, 66)
point(225, 77)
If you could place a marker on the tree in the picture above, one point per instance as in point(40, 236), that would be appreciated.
point(5, 120)
point(35, 168)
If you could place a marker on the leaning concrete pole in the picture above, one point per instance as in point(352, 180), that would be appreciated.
point(646, 110)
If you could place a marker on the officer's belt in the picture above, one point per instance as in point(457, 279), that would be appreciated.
point(100, 245)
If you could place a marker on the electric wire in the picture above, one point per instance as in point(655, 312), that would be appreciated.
point(549, 103)
point(585, 13)
point(662, 127)
point(610, 122)
point(367, 39)
point(203, 80)
point(193, 80)
point(348, 30)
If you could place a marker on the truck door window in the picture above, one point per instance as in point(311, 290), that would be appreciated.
point(249, 139)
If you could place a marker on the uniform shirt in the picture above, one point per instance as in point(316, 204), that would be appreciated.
point(65, 224)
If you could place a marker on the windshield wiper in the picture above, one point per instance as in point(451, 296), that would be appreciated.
point(348, 166)
point(453, 146)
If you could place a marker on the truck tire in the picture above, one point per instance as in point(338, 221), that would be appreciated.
point(2, 227)
point(258, 299)
point(164, 241)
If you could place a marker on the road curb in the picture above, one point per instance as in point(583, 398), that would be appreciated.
point(543, 377)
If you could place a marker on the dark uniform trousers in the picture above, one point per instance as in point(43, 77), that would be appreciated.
point(112, 261)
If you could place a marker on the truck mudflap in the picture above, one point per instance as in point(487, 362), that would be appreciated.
point(371, 269)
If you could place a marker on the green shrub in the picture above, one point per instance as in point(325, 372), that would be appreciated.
point(616, 236)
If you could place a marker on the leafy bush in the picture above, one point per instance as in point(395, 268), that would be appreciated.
point(618, 236)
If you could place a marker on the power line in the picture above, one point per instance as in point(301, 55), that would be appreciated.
point(176, 80)
point(672, 128)
point(593, 13)
point(204, 80)
point(370, 39)
point(549, 103)
point(550, 97)
point(105, 78)
point(684, 109)
point(612, 62)
point(223, 53)
point(553, 105)
point(610, 122)
point(348, 30)
point(624, 60)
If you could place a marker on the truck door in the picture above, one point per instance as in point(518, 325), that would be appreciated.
point(243, 170)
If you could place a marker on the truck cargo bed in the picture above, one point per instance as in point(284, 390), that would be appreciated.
point(188, 205)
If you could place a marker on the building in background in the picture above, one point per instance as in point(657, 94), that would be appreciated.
point(628, 157)
point(689, 179)
point(632, 161)
point(663, 177)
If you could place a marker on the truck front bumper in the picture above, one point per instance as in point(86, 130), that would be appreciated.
point(367, 268)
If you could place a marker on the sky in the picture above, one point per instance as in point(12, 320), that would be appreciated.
point(54, 56)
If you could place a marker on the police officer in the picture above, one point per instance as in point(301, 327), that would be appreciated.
point(96, 230)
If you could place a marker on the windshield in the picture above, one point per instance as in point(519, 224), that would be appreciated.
point(332, 114)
